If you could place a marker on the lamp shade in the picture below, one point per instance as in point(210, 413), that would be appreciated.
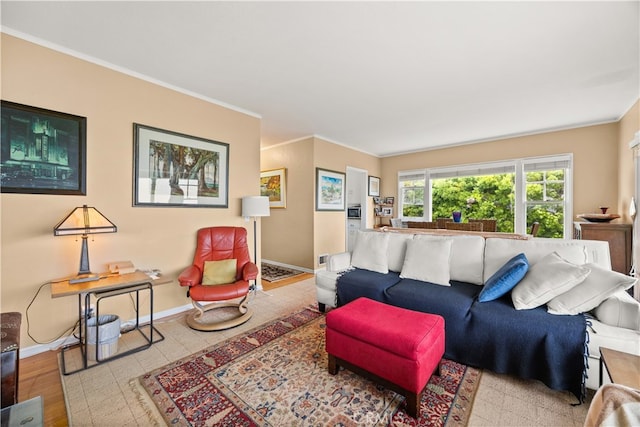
point(84, 220)
point(255, 206)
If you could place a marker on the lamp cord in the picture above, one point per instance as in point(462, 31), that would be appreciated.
point(67, 331)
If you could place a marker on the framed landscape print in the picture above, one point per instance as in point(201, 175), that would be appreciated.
point(374, 186)
point(173, 169)
point(42, 151)
point(330, 190)
point(273, 184)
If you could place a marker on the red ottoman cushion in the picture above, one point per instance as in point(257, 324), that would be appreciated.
point(402, 346)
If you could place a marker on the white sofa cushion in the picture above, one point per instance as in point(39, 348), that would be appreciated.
point(620, 310)
point(598, 286)
point(547, 278)
point(428, 261)
point(467, 255)
point(498, 251)
point(397, 250)
point(370, 251)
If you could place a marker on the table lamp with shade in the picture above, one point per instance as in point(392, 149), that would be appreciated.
point(83, 221)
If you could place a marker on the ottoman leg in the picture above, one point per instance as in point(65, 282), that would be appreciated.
point(322, 307)
point(413, 404)
point(333, 365)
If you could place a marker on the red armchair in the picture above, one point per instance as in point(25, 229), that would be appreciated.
point(215, 244)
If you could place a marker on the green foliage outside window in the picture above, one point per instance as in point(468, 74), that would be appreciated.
point(493, 196)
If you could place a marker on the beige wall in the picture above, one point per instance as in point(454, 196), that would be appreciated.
point(161, 238)
point(298, 234)
point(628, 126)
point(595, 161)
point(287, 234)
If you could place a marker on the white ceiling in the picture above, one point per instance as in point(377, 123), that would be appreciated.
point(381, 77)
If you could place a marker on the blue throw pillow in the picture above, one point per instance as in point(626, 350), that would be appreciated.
point(504, 279)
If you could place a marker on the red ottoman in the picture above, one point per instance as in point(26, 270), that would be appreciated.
point(393, 346)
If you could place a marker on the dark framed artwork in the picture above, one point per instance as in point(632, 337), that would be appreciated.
point(174, 169)
point(374, 186)
point(330, 190)
point(42, 151)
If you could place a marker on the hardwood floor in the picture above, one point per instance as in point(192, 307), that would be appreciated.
point(39, 376)
point(268, 285)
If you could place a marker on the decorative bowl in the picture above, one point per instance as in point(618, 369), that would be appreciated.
point(594, 217)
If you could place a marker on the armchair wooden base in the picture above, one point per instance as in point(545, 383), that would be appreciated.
point(196, 318)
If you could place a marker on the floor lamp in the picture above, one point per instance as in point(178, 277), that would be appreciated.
point(253, 207)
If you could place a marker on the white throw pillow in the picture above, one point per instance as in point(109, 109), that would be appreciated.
point(467, 257)
point(427, 260)
point(397, 250)
point(597, 287)
point(498, 251)
point(620, 310)
point(546, 279)
point(370, 251)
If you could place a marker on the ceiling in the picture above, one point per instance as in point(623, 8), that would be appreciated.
point(381, 77)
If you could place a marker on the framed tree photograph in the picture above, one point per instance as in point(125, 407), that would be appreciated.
point(330, 190)
point(374, 186)
point(42, 151)
point(173, 169)
point(273, 184)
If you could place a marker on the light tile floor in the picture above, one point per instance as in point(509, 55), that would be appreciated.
point(105, 396)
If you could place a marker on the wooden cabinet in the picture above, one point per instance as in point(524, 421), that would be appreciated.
point(619, 237)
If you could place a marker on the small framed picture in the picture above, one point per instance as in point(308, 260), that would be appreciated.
point(374, 186)
point(387, 211)
point(273, 183)
point(376, 201)
point(330, 190)
point(389, 200)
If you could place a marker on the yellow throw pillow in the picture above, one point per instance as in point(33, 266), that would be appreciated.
point(219, 272)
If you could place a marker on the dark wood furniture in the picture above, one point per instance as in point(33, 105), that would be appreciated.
point(623, 368)
point(10, 341)
point(618, 235)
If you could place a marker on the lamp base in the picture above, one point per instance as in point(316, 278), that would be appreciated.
point(81, 278)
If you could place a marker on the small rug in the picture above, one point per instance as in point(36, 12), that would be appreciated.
point(274, 273)
point(276, 375)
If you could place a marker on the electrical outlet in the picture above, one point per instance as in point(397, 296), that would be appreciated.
point(92, 311)
point(322, 259)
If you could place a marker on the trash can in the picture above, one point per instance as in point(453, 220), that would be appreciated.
point(106, 328)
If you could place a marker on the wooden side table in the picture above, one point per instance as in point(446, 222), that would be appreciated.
point(623, 368)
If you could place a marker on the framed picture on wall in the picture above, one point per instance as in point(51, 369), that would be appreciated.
point(374, 186)
point(330, 190)
point(42, 151)
point(273, 184)
point(173, 169)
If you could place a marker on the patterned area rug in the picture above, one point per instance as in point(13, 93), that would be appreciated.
point(276, 375)
point(274, 273)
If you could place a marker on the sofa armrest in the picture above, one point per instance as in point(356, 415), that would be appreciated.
point(621, 310)
point(339, 262)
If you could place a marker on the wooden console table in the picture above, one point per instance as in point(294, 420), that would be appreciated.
point(108, 287)
point(618, 236)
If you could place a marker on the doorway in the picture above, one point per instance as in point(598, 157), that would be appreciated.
point(356, 196)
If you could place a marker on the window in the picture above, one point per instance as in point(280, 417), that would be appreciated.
point(517, 193)
point(411, 194)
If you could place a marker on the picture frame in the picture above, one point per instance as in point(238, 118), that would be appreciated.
point(202, 164)
point(387, 211)
point(330, 190)
point(389, 200)
point(377, 201)
point(273, 184)
point(42, 151)
point(374, 186)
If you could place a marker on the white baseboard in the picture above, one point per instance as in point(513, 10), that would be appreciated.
point(295, 267)
point(41, 348)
